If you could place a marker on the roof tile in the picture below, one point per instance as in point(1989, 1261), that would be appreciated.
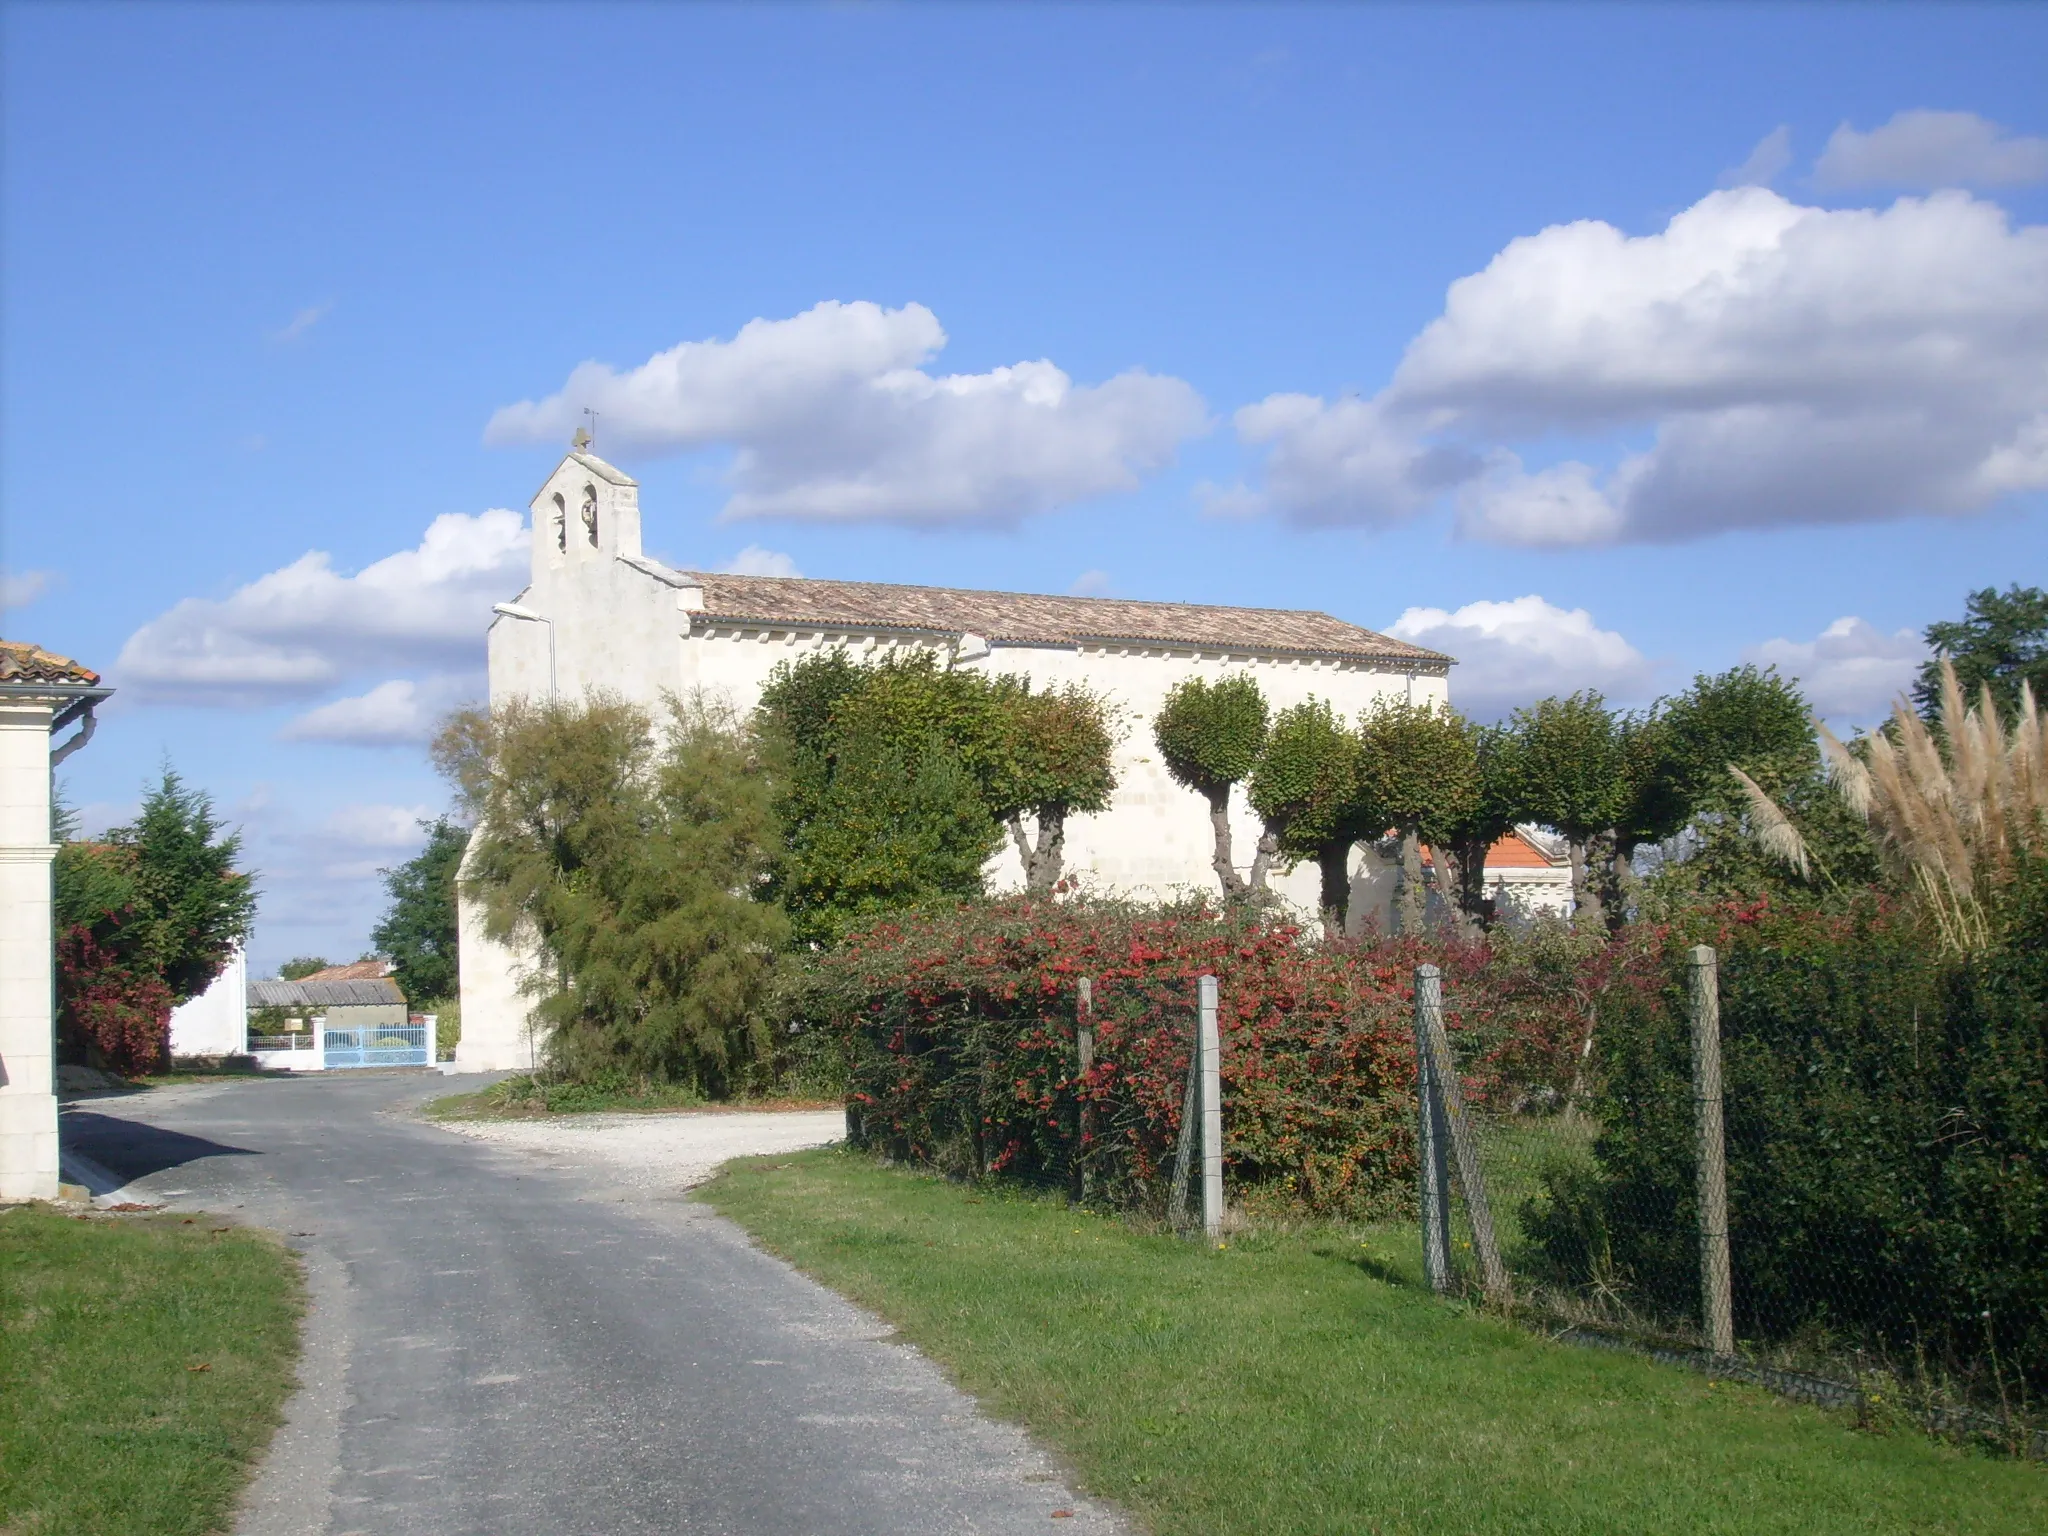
point(1027, 618)
point(21, 662)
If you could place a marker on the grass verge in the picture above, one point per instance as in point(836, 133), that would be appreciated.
point(144, 1363)
point(1291, 1383)
point(526, 1098)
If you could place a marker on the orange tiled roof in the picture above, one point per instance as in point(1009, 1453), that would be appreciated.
point(1512, 852)
point(21, 662)
point(1027, 618)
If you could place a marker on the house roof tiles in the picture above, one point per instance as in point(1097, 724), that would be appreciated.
point(21, 662)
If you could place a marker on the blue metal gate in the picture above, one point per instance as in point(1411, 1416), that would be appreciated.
point(380, 1045)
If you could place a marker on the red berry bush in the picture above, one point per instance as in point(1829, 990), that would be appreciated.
point(959, 1033)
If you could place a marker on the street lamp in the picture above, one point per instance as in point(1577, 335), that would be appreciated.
point(514, 611)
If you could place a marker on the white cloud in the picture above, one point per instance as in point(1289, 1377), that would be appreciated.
point(20, 588)
point(1932, 149)
point(756, 561)
point(1090, 584)
point(301, 322)
point(833, 418)
point(1513, 653)
point(397, 712)
point(1851, 671)
point(296, 632)
point(1766, 162)
point(1769, 364)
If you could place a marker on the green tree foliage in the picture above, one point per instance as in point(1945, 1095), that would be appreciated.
point(1675, 760)
point(146, 917)
point(1307, 790)
point(1570, 777)
point(898, 780)
point(1210, 736)
point(1471, 827)
point(629, 852)
point(1058, 763)
point(1419, 775)
point(419, 930)
point(302, 965)
point(2000, 642)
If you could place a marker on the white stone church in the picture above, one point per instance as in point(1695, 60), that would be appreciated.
point(598, 613)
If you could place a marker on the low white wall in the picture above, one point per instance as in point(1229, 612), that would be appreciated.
point(216, 1022)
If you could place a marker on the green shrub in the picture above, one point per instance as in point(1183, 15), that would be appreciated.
point(1887, 1134)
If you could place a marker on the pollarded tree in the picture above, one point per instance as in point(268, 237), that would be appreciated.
point(1420, 774)
point(1058, 761)
point(1306, 789)
point(1210, 736)
point(1570, 773)
point(1675, 760)
point(1485, 816)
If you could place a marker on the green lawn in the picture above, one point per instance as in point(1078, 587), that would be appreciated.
point(1297, 1383)
point(144, 1363)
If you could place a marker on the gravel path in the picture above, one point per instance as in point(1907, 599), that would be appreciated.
point(669, 1151)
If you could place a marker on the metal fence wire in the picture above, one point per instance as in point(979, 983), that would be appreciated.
point(1634, 1234)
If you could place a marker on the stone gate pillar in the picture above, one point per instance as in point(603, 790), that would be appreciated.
point(40, 696)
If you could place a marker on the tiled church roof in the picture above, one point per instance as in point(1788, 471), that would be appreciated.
point(1019, 617)
point(21, 662)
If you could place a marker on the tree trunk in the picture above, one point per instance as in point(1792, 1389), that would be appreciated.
point(1262, 861)
point(1478, 907)
point(1409, 913)
point(1445, 868)
point(1585, 900)
point(1621, 883)
point(1334, 860)
point(1044, 858)
point(1219, 819)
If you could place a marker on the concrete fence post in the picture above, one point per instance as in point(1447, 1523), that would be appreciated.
point(1084, 1063)
point(1716, 1313)
point(1209, 1041)
point(1431, 1135)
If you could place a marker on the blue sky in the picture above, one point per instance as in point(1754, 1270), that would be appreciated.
point(272, 272)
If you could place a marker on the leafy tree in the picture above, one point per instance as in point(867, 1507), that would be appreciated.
point(420, 930)
point(935, 762)
point(1570, 778)
point(1058, 762)
point(302, 965)
point(883, 775)
point(1210, 736)
point(1419, 772)
point(2001, 641)
point(1306, 789)
point(893, 826)
point(629, 854)
point(146, 918)
point(1477, 821)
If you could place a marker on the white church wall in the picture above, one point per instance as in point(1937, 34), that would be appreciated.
point(625, 624)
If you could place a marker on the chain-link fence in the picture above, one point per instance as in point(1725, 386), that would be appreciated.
point(1668, 1217)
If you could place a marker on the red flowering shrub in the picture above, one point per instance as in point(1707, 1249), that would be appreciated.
point(105, 1002)
point(959, 1031)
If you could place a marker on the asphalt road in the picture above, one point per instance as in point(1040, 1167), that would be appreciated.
point(499, 1345)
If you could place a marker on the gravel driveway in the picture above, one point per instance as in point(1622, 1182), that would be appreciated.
point(670, 1151)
